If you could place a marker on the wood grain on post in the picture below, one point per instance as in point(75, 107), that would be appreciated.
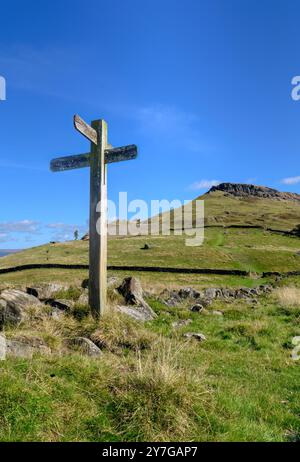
point(98, 222)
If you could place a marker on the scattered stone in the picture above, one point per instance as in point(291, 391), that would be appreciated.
point(217, 313)
point(211, 292)
point(85, 346)
point(197, 308)
point(83, 299)
point(139, 313)
point(56, 314)
point(45, 291)
point(188, 292)
point(181, 323)
point(228, 293)
point(173, 299)
point(131, 290)
point(205, 302)
point(14, 306)
point(240, 294)
point(60, 304)
point(19, 349)
point(3, 347)
point(25, 348)
point(196, 335)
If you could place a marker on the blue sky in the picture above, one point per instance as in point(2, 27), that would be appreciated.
point(202, 87)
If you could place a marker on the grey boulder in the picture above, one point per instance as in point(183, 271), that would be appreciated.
point(23, 348)
point(139, 313)
point(45, 291)
point(15, 305)
point(84, 346)
point(132, 292)
point(188, 292)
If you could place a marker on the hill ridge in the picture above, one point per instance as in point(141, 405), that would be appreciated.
point(251, 190)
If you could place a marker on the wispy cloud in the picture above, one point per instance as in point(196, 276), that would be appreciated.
point(10, 230)
point(291, 180)
point(23, 226)
point(204, 184)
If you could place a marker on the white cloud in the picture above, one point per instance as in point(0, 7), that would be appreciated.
point(291, 180)
point(204, 184)
point(23, 226)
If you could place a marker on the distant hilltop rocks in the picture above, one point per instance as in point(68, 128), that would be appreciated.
point(251, 190)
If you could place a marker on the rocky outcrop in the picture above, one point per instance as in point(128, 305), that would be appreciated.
point(251, 190)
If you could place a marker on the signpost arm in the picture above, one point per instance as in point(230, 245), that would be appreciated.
point(98, 221)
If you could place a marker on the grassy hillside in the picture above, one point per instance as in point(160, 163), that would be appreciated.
point(247, 249)
point(255, 250)
point(270, 213)
point(151, 384)
point(223, 209)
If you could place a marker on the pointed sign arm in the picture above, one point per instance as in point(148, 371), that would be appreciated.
point(83, 160)
point(85, 129)
point(70, 162)
point(118, 154)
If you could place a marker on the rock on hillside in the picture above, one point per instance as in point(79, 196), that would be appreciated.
point(246, 190)
point(15, 306)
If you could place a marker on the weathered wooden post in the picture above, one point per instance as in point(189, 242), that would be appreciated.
point(101, 154)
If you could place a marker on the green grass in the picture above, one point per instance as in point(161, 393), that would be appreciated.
point(247, 249)
point(229, 210)
point(152, 384)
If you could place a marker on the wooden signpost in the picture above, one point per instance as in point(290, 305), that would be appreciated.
point(101, 153)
